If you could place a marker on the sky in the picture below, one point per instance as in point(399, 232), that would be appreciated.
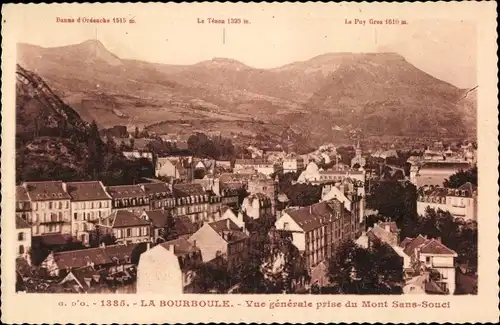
point(171, 34)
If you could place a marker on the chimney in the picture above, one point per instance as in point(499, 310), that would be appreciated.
point(438, 239)
point(194, 243)
point(65, 187)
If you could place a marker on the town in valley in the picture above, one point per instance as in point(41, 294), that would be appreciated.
point(215, 198)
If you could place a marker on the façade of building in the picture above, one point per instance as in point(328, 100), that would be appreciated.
point(90, 203)
point(460, 202)
point(129, 197)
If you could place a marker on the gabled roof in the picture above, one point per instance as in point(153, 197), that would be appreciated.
point(81, 258)
point(125, 218)
point(184, 190)
point(21, 223)
point(21, 193)
point(316, 215)
point(84, 274)
point(96, 256)
point(158, 218)
point(228, 230)
point(409, 249)
point(181, 246)
point(436, 248)
point(125, 191)
point(405, 242)
point(469, 188)
point(391, 224)
point(452, 166)
point(87, 191)
point(44, 191)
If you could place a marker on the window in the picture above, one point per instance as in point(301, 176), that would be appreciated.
point(34, 206)
point(75, 216)
point(427, 259)
point(285, 226)
point(20, 236)
point(50, 205)
point(21, 249)
point(129, 232)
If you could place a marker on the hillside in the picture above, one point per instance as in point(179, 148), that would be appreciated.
point(380, 93)
point(50, 136)
point(53, 142)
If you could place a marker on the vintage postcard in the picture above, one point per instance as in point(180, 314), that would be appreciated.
point(195, 163)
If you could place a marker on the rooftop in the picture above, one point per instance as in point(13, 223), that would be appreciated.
point(49, 190)
point(184, 190)
point(87, 191)
point(181, 246)
point(124, 218)
point(125, 191)
point(316, 215)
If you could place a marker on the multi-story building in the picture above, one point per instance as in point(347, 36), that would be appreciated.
point(229, 196)
point(317, 230)
point(431, 256)
point(160, 195)
point(460, 202)
point(266, 186)
point(23, 244)
point(50, 205)
point(129, 197)
point(191, 200)
point(293, 164)
point(351, 193)
point(23, 203)
point(223, 239)
point(89, 204)
point(126, 227)
point(168, 268)
point(259, 165)
point(257, 206)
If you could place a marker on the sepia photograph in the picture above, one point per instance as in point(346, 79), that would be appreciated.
point(247, 155)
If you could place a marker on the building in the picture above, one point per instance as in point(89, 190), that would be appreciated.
point(264, 185)
point(431, 256)
point(50, 205)
point(175, 167)
point(435, 173)
point(89, 204)
point(129, 197)
point(262, 166)
point(23, 244)
point(293, 164)
point(338, 173)
point(23, 203)
point(191, 200)
point(126, 227)
point(358, 158)
point(110, 258)
point(221, 238)
point(351, 193)
point(317, 230)
point(168, 268)
point(163, 224)
point(460, 202)
point(228, 195)
point(257, 206)
point(160, 195)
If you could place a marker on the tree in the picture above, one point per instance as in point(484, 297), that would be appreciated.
point(212, 277)
point(169, 231)
point(303, 194)
point(355, 270)
point(461, 177)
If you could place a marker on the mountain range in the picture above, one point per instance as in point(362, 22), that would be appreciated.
point(379, 93)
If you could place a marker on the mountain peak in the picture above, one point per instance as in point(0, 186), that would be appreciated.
point(95, 49)
point(223, 62)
